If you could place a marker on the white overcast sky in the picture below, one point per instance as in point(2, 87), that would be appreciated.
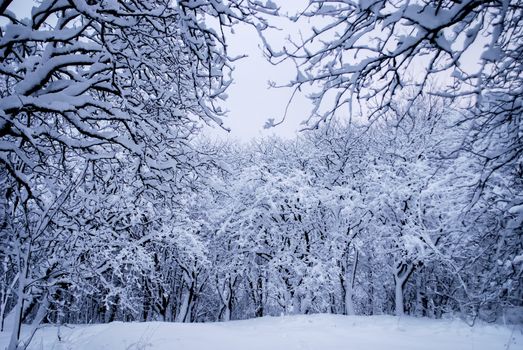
point(251, 102)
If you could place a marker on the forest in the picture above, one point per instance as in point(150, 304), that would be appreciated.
point(403, 195)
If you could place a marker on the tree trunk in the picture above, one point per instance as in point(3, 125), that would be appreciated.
point(17, 327)
point(400, 308)
point(5, 298)
point(19, 307)
point(40, 315)
point(401, 275)
point(349, 287)
point(226, 316)
point(185, 309)
point(296, 303)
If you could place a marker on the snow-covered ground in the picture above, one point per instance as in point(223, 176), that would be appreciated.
point(322, 332)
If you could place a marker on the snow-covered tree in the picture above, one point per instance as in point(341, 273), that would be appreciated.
point(371, 50)
point(98, 85)
point(364, 55)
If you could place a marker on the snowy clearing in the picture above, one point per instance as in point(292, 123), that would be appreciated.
point(289, 332)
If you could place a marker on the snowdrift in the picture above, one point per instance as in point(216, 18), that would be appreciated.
point(322, 332)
